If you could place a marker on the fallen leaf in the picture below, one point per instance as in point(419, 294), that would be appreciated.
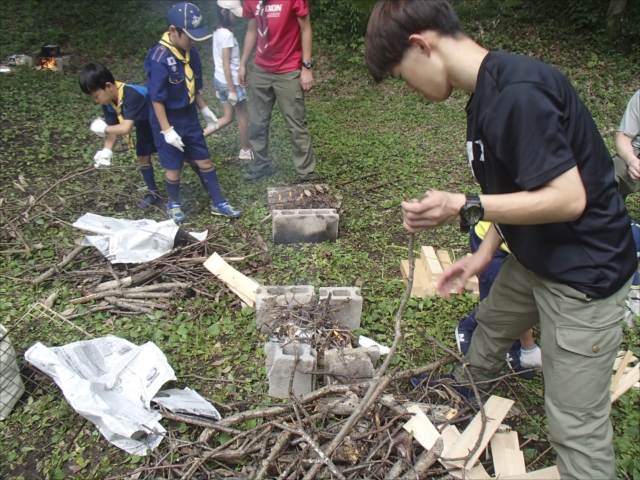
point(533, 437)
point(319, 188)
point(36, 246)
point(63, 202)
point(31, 201)
point(217, 363)
point(359, 282)
point(22, 180)
point(19, 187)
point(306, 192)
point(227, 369)
point(75, 468)
point(68, 311)
point(1, 201)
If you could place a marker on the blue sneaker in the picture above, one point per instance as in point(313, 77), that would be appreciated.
point(464, 390)
point(464, 332)
point(151, 198)
point(513, 359)
point(174, 210)
point(225, 210)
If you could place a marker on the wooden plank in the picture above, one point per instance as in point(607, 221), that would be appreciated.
point(620, 371)
point(507, 458)
point(550, 473)
point(450, 436)
point(421, 284)
point(431, 262)
point(444, 259)
point(626, 383)
point(496, 408)
point(616, 364)
point(473, 285)
point(240, 284)
point(421, 427)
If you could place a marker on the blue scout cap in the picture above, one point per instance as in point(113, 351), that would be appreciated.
point(187, 16)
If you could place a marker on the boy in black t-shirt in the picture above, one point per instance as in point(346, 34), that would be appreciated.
point(548, 187)
point(124, 107)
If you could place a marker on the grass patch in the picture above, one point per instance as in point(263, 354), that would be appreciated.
point(358, 129)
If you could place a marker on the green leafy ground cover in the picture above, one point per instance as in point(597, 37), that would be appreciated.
point(401, 144)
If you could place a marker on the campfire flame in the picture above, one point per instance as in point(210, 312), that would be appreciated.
point(48, 63)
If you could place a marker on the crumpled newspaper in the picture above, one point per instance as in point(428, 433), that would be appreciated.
point(110, 382)
point(633, 307)
point(130, 241)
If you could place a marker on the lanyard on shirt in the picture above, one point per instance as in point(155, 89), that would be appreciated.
point(117, 106)
point(188, 71)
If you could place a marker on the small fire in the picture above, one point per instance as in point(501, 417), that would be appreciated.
point(48, 63)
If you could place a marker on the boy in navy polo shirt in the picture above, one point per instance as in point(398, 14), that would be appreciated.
point(174, 81)
point(124, 107)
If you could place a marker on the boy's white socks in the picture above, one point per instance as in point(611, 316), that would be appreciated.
point(531, 358)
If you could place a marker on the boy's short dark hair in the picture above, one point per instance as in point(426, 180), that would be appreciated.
point(94, 77)
point(391, 24)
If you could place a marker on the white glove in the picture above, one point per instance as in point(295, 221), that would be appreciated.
point(531, 358)
point(210, 118)
point(103, 157)
point(99, 127)
point(173, 139)
point(233, 99)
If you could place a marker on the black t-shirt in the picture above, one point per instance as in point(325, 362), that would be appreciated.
point(135, 106)
point(526, 125)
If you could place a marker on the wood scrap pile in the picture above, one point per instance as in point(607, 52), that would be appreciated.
point(428, 269)
point(625, 376)
point(301, 196)
point(145, 288)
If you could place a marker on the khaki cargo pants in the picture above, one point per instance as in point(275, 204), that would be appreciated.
point(626, 184)
point(579, 338)
point(264, 89)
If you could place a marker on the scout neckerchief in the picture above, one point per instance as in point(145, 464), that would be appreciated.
point(263, 27)
point(117, 106)
point(188, 72)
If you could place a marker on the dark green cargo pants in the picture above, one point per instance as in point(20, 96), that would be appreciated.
point(579, 338)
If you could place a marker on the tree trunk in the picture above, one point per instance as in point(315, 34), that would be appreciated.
point(614, 17)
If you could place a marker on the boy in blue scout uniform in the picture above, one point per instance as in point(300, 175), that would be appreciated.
point(124, 107)
point(174, 81)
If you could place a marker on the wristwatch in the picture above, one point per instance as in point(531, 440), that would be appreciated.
point(307, 65)
point(471, 213)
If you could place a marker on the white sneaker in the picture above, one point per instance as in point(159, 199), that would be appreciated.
point(245, 155)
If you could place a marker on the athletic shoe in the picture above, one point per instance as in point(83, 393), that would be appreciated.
point(151, 198)
point(513, 359)
point(174, 210)
point(225, 210)
point(464, 390)
point(464, 332)
point(245, 155)
point(253, 176)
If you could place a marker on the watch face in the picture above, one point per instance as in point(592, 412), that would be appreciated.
point(473, 214)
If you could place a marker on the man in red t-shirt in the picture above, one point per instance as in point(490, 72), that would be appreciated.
point(280, 33)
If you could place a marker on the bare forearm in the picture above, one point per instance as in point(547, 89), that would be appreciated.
point(161, 113)
point(249, 41)
point(226, 67)
point(490, 243)
point(624, 147)
point(563, 199)
point(307, 39)
point(200, 101)
point(110, 140)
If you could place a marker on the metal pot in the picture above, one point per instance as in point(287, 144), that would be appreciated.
point(49, 50)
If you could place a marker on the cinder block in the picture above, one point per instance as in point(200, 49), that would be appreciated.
point(270, 349)
point(279, 373)
point(269, 297)
point(350, 302)
point(305, 225)
point(355, 363)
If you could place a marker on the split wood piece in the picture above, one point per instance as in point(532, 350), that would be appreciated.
point(421, 428)
point(496, 408)
point(136, 279)
point(430, 261)
point(620, 371)
point(129, 306)
point(128, 291)
point(618, 361)
point(53, 270)
point(508, 460)
point(241, 285)
point(451, 435)
point(626, 383)
point(550, 473)
point(422, 286)
point(444, 259)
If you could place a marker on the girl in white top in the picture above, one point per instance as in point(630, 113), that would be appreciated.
point(226, 58)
